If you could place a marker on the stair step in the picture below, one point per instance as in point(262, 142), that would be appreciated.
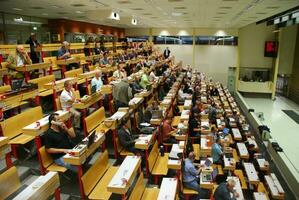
point(94, 157)
point(63, 197)
point(29, 179)
point(23, 172)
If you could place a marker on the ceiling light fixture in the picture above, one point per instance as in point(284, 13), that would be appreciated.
point(17, 9)
point(18, 19)
point(134, 21)
point(176, 14)
point(79, 12)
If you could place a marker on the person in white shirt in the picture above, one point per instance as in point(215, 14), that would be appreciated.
point(67, 98)
point(97, 81)
point(119, 73)
point(152, 77)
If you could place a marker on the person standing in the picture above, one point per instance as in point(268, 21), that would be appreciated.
point(34, 44)
point(166, 53)
point(122, 93)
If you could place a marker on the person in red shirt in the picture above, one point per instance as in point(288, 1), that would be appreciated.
point(167, 132)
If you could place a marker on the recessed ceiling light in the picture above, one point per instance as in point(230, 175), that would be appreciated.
point(54, 6)
point(17, 9)
point(176, 14)
point(65, 17)
point(79, 12)
point(45, 14)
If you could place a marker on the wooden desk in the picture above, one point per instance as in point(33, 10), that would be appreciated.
point(185, 115)
point(80, 159)
point(237, 187)
point(251, 173)
point(168, 189)
point(259, 196)
point(229, 163)
point(174, 164)
point(276, 190)
point(135, 102)
point(237, 135)
point(27, 68)
point(205, 126)
point(143, 143)
point(42, 188)
point(64, 62)
point(205, 145)
point(59, 85)
point(175, 149)
point(263, 164)
point(5, 150)
point(243, 152)
point(187, 104)
point(124, 176)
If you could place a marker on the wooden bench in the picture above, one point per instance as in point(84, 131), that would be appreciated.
point(239, 173)
point(12, 127)
point(97, 178)
point(48, 162)
point(5, 88)
point(41, 84)
point(75, 73)
point(158, 165)
point(261, 188)
point(10, 182)
point(95, 121)
point(52, 60)
point(141, 192)
point(81, 57)
point(196, 150)
point(186, 191)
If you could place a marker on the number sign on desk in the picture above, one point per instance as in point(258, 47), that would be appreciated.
point(168, 189)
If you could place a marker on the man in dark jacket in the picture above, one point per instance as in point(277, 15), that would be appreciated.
point(32, 41)
point(224, 190)
point(127, 139)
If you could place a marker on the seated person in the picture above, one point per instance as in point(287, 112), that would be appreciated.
point(136, 87)
point(67, 98)
point(64, 53)
point(191, 176)
point(152, 77)
point(217, 152)
point(224, 190)
point(57, 141)
point(120, 73)
point(144, 82)
point(193, 124)
point(104, 61)
point(20, 59)
point(167, 132)
point(251, 151)
point(214, 91)
point(97, 81)
point(181, 95)
point(212, 113)
point(127, 139)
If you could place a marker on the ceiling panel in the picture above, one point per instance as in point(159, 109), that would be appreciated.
point(154, 13)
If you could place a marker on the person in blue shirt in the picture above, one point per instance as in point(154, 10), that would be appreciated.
point(191, 176)
point(217, 152)
point(64, 53)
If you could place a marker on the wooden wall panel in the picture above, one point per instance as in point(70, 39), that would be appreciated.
point(294, 83)
point(62, 26)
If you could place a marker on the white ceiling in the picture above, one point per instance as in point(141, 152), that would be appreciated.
point(154, 13)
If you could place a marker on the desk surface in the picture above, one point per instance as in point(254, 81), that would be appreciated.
point(3, 141)
point(88, 102)
point(144, 141)
point(122, 179)
point(59, 83)
point(243, 150)
point(275, 188)
point(175, 149)
point(168, 189)
point(251, 173)
point(42, 188)
point(259, 196)
point(237, 134)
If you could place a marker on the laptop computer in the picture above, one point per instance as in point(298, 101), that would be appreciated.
point(210, 177)
point(157, 114)
point(16, 84)
point(91, 138)
point(208, 162)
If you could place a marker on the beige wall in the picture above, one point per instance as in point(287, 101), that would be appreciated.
point(212, 60)
point(294, 80)
point(287, 49)
point(252, 40)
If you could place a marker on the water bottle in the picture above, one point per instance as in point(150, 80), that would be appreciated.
point(161, 151)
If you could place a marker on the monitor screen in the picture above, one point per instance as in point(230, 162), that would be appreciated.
point(271, 49)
